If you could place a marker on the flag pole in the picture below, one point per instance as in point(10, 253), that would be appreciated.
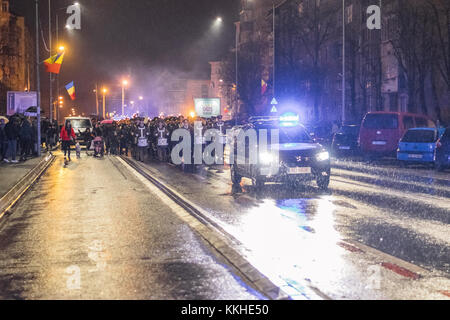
point(96, 97)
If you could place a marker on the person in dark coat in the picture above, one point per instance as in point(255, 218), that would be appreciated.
point(3, 141)
point(26, 139)
point(12, 132)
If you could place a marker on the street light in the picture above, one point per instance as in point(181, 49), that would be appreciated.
point(104, 91)
point(124, 84)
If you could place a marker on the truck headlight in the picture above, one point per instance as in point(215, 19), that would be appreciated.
point(323, 156)
point(266, 158)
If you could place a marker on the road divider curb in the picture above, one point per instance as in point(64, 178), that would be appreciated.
point(221, 241)
point(19, 189)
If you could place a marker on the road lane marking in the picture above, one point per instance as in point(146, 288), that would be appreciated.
point(349, 247)
point(389, 258)
point(445, 293)
point(401, 271)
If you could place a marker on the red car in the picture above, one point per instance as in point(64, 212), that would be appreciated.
point(381, 131)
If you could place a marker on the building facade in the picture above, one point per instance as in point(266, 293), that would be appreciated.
point(392, 69)
point(180, 94)
point(16, 54)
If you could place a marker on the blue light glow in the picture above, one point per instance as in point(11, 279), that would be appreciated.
point(289, 119)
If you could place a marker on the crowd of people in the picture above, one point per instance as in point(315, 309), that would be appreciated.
point(18, 138)
point(148, 139)
point(142, 138)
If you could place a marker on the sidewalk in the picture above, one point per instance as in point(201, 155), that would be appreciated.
point(10, 174)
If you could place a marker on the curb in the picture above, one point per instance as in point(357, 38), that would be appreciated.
point(16, 192)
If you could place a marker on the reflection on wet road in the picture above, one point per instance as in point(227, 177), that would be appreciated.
point(346, 243)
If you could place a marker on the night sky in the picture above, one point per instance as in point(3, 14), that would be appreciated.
point(145, 39)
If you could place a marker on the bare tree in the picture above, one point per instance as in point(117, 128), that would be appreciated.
point(413, 48)
point(290, 70)
point(441, 53)
point(249, 74)
point(315, 29)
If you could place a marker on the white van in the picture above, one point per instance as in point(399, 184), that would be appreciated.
point(80, 125)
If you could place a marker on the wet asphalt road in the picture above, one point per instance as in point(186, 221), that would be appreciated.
point(93, 231)
point(303, 237)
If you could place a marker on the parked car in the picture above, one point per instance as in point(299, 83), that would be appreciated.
point(443, 151)
point(345, 141)
point(381, 131)
point(418, 145)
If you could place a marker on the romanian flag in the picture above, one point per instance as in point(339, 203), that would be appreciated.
point(263, 87)
point(71, 90)
point(53, 64)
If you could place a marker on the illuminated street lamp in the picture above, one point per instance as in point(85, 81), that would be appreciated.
point(124, 84)
point(104, 91)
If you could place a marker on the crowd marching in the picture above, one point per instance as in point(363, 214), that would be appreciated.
point(143, 138)
point(149, 139)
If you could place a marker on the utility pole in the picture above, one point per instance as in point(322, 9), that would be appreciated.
point(57, 76)
point(96, 97)
point(123, 100)
point(104, 103)
point(38, 83)
point(237, 74)
point(343, 64)
point(274, 44)
point(50, 49)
